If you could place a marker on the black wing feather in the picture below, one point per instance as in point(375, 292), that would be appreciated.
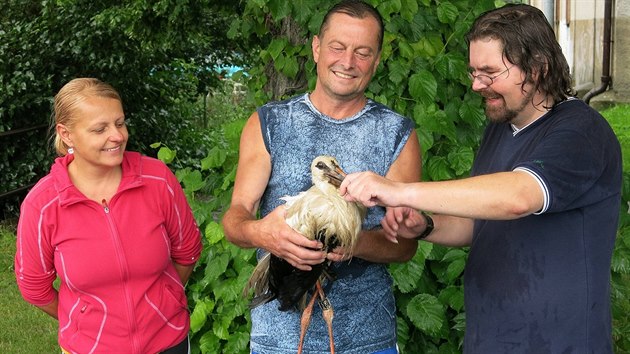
point(289, 284)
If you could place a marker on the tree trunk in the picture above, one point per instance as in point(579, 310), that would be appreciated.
point(278, 84)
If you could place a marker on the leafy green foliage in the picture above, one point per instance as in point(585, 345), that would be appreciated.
point(422, 75)
point(160, 55)
point(620, 270)
point(620, 274)
point(219, 315)
point(219, 320)
point(23, 157)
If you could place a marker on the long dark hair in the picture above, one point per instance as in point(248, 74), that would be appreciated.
point(356, 9)
point(530, 43)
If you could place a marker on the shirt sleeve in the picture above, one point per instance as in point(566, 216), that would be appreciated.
point(34, 256)
point(567, 170)
point(543, 188)
point(181, 225)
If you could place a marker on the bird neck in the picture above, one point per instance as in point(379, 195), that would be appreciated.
point(325, 187)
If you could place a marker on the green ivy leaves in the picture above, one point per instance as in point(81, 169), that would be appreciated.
point(426, 313)
point(422, 75)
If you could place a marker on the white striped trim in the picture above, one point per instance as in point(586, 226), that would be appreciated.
point(542, 185)
point(179, 218)
point(75, 289)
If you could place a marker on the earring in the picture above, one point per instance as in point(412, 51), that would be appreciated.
point(70, 150)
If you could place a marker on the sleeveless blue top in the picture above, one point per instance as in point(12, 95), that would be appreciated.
point(295, 132)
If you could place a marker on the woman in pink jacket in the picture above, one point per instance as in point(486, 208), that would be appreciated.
point(115, 227)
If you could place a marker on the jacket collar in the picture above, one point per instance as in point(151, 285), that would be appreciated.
point(69, 194)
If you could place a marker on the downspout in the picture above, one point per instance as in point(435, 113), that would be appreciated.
point(548, 10)
point(606, 79)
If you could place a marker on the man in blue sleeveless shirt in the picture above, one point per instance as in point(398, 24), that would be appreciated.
point(540, 211)
point(278, 144)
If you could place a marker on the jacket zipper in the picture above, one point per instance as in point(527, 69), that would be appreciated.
point(125, 276)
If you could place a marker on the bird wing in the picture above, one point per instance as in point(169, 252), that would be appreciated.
point(317, 214)
point(315, 211)
point(259, 281)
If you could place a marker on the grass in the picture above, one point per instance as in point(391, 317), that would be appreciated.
point(24, 329)
point(619, 119)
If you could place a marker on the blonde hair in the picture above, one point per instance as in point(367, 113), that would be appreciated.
point(68, 99)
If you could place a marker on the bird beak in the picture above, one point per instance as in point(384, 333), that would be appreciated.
point(335, 176)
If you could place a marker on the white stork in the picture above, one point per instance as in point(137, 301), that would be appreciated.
point(317, 213)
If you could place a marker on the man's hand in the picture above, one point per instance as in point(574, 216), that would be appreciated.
point(339, 254)
point(370, 189)
point(402, 221)
point(280, 239)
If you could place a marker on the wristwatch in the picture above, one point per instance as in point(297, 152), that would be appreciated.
point(429, 228)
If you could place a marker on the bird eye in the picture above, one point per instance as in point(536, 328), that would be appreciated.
point(321, 165)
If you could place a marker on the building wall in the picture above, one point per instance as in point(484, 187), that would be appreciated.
point(621, 48)
point(579, 26)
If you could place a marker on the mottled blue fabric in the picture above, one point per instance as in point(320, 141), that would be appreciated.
point(294, 133)
point(541, 284)
point(386, 351)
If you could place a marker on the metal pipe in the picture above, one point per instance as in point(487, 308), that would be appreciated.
point(606, 79)
point(22, 130)
point(16, 191)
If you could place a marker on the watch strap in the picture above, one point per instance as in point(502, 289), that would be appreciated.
point(429, 228)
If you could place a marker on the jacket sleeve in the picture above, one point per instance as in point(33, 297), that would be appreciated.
point(34, 256)
point(181, 225)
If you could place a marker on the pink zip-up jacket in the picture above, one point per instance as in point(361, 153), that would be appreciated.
point(119, 290)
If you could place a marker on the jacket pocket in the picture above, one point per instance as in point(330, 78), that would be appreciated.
point(85, 325)
point(166, 300)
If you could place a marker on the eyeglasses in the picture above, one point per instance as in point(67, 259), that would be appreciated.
point(487, 80)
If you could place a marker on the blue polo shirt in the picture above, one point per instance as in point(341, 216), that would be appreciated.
point(541, 283)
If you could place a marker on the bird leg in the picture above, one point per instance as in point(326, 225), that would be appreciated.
point(327, 313)
point(306, 320)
